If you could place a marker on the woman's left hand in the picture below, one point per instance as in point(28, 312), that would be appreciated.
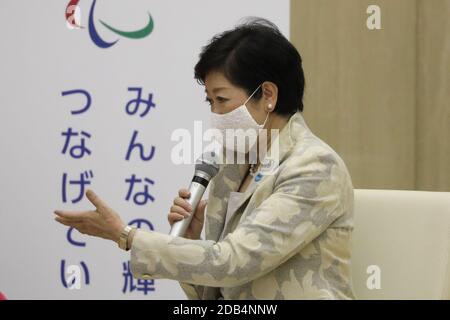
point(104, 222)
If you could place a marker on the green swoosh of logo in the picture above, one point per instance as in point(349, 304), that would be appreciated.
point(138, 34)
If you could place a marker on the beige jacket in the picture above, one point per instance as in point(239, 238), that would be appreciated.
point(289, 236)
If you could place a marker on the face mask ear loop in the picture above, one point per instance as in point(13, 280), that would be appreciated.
point(264, 123)
point(251, 95)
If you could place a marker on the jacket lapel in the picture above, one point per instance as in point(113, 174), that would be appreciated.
point(229, 179)
point(285, 140)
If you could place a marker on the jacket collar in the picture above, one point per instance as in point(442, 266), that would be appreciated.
point(229, 179)
point(294, 130)
point(290, 134)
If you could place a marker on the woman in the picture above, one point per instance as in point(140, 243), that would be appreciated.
point(283, 235)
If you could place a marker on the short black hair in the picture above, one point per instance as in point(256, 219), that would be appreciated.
point(253, 52)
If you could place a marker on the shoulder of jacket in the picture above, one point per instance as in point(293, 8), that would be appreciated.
point(312, 156)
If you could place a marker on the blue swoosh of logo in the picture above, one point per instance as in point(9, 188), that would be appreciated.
point(93, 32)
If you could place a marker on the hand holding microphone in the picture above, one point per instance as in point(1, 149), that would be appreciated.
point(181, 209)
point(189, 201)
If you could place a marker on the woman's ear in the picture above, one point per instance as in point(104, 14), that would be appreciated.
point(269, 95)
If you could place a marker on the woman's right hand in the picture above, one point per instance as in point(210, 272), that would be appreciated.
point(181, 208)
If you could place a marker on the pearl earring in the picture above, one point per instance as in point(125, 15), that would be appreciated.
point(269, 106)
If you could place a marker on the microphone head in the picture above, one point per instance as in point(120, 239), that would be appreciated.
point(208, 163)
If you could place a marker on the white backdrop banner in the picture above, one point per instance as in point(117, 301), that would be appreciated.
point(91, 92)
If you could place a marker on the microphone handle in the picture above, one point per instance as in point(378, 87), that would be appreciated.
point(196, 189)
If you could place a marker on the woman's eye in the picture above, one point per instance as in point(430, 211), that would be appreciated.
point(209, 101)
point(219, 99)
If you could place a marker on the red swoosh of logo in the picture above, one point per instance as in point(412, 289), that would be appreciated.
point(70, 13)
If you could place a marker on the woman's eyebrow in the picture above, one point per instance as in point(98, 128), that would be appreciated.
point(216, 89)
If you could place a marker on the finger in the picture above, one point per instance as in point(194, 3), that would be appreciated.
point(184, 193)
point(201, 207)
point(95, 200)
point(174, 217)
point(179, 210)
point(200, 211)
point(182, 203)
point(71, 215)
point(68, 223)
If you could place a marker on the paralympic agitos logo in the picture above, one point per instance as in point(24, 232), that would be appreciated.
point(136, 34)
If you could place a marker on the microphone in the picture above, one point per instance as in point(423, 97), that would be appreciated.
point(206, 168)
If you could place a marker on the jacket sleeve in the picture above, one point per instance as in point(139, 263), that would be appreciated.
point(310, 192)
point(190, 291)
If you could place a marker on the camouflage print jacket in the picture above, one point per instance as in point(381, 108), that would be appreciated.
point(289, 236)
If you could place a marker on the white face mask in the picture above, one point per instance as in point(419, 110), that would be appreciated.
point(236, 127)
